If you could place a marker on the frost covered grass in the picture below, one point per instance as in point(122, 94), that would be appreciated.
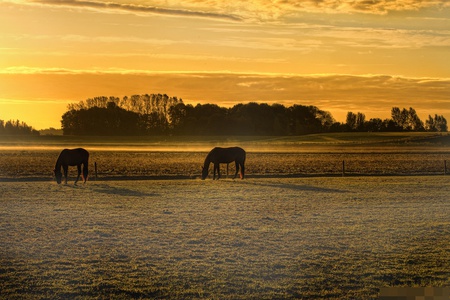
point(259, 238)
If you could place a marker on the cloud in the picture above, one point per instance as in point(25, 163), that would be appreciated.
point(373, 95)
point(138, 9)
point(348, 6)
point(247, 10)
point(265, 10)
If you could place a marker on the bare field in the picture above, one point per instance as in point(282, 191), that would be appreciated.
point(259, 238)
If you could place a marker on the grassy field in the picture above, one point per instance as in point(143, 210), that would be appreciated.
point(293, 229)
point(260, 238)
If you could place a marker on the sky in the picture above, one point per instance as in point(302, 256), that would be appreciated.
point(339, 55)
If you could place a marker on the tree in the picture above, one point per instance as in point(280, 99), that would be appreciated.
point(436, 124)
point(16, 127)
point(360, 120)
point(350, 121)
point(406, 120)
point(413, 121)
point(156, 114)
point(305, 119)
point(151, 114)
point(398, 117)
point(374, 125)
point(111, 120)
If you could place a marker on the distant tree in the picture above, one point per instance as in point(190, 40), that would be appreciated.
point(441, 123)
point(350, 121)
point(111, 120)
point(325, 118)
point(179, 117)
point(407, 120)
point(156, 114)
point(16, 127)
point(151, 113)
point(399, 117)
point(280, 120)
point(305, 119)
point(436, 124)
point(208, 119)
point(50, 131)
point(355, 122)
point(413, 120)
point(374, 125)
point(430, 124)
point(253, 118)
point(360, 120)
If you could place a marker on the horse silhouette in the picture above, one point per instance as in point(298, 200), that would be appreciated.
point(219, 156)
point(72, 157)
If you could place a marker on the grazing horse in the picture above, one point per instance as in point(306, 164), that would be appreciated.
point(72, 157)
point(224, 156)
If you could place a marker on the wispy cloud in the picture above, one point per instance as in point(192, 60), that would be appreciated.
point(138, 9)
point(373, 95)
point(76, 38)
point(248, 10)
point(364, 6)
point(339, 93)
point(273, 10)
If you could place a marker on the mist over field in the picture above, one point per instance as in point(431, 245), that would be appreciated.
point(182, 157)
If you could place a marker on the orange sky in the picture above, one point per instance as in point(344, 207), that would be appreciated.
point(347, 55)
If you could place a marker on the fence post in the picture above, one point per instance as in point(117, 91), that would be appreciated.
point(95, 168)
point(343, 168)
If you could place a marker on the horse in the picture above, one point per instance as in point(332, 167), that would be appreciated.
point(224, 156)
point(72, 157)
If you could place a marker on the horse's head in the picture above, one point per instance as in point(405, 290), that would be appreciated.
point(204, 173)
point(58, 176)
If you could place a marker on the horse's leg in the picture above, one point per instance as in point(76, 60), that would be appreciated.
point(227, 169)
point(216, 167)
point(85, 171)
point(79, 173)
point(65, 169)
point(237, 170)
point(242, 170)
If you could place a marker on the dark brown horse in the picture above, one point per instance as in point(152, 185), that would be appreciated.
point(219, 156)
point(72, 157)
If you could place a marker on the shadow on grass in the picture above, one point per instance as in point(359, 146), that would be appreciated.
point(295, 187)
point(112, 190)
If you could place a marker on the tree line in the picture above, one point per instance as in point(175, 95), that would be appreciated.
point(158, 114)
point(16, 127)
point(401, 120)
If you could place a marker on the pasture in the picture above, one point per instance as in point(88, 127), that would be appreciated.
point(259, 238)
point(293, 229)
